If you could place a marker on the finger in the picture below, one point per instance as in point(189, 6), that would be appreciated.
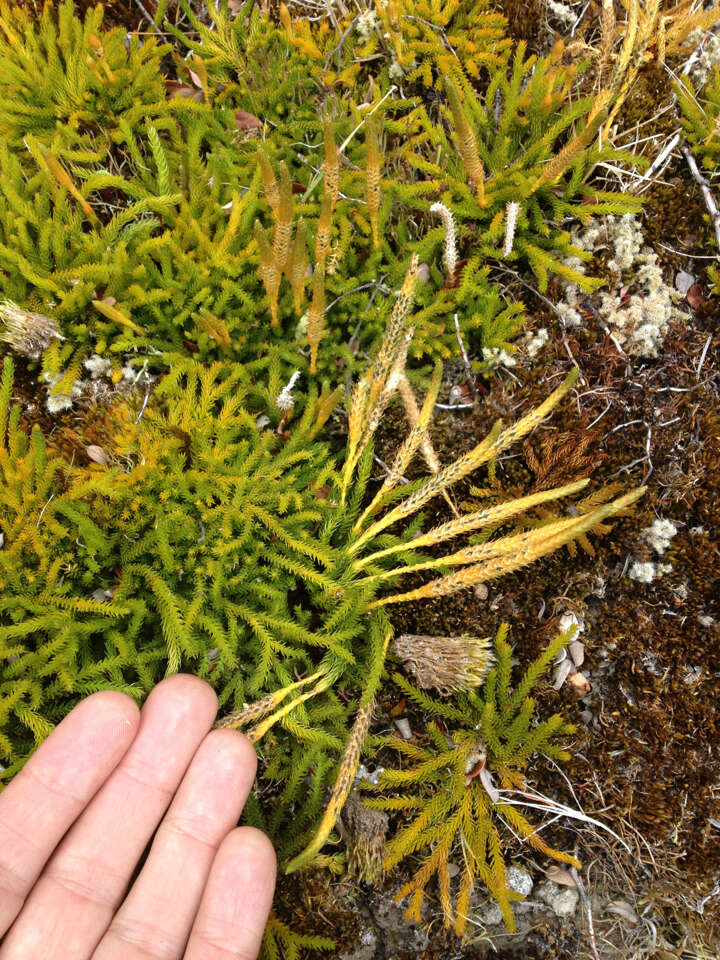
point(236, 902)
point(55, 786)
point(77, 894)
point(156, 917)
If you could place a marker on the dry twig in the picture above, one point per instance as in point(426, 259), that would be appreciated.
point(707, 193)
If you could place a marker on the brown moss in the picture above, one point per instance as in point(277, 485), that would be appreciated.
point(646, 758)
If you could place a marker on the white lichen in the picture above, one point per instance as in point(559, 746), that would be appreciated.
point(707, 57)
point(646, 571)
point(58, 402)
point(496, 357)
point(569, 316)
point(637, 316)
point(561, 12)
point(98, 366)
point(659, 534)
point(626, 237)
point(367, 23)
point(534, 342)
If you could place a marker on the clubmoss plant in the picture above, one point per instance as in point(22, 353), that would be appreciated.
point(452, 786)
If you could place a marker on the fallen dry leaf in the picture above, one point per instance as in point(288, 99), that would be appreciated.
point(454, 280)
point(562, 672)
point(175, 89)
point(490, 789)
point(622, 909)
point(97, 455)
point(694, 297)
point(247, 121)
point(560, 876)
point(399, 707)
point(576, 649)
point(403, 726)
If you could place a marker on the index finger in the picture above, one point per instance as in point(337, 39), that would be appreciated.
point(54, 787)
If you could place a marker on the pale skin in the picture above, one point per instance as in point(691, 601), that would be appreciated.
point(75, 822)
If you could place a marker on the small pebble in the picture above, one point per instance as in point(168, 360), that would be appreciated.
point(519, 880)
point(403, 726)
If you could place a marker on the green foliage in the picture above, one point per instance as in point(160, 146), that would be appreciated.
point(282, 943)
point(700, 117)
point(444, 790)
point(535, 152)
point(233, 51)
point(240, 553)
point(178, 546)
point(127, 204)
point(699, 112)
point(69, 83)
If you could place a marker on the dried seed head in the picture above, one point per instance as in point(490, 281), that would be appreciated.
point(298, 266)
point(283, 215)
point(316, 319)
point(511, 214)
point(29, 334)
point(450, 257)
point(466, 142)
point(445, 664)
point(373, 193)
point(270, 184)
point(323, 233)
point(269, 272)
point(331, 166)
point(366, 830)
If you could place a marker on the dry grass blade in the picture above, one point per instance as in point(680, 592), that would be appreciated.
point(331, 166)
point(413, 415)
point(255, 711)
point(486, 450)
point(341, 789)
point(258, 732)
point(414, 439)
point(505, 546)
point(374, 390)
point(537, 544)
point(537, 801)
point(482, 518)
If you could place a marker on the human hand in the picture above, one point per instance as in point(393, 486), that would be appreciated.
point(75, 821)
